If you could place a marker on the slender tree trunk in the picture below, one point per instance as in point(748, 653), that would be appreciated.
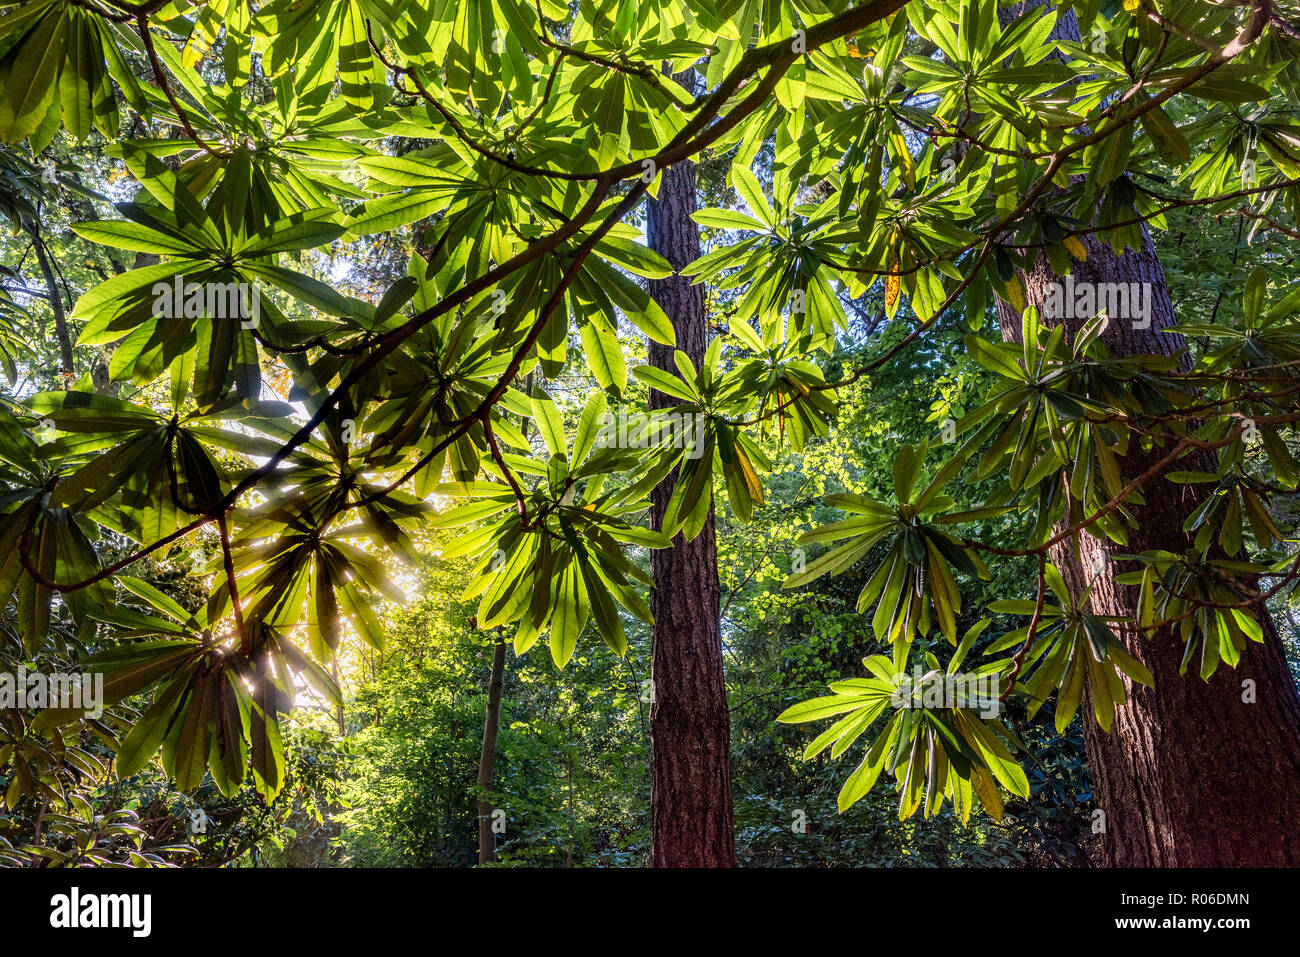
point(338, 712)
point(568, 858)
point(487, 844)
point(487, 841)
point(56, 305)
point(690, 727)
point(1192, 773)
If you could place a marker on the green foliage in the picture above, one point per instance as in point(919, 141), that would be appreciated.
point(228, 382)
point(919, 744)
point(1072, 649)
point(416, 728)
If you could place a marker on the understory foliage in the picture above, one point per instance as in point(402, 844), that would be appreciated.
point(312, 310)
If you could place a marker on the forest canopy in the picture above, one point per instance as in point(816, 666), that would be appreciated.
point(643, 431)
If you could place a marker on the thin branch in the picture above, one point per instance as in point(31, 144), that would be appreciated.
point(1018, 659)
point(142, 24)
point(245, 646)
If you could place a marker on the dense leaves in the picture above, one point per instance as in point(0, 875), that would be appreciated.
point(919, 157)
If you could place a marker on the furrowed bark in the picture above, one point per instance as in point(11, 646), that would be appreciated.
point(1192, 773)
point(690, 727)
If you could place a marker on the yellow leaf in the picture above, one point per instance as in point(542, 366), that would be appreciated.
point(1014, 293)
point(1076, 248)
point(893, 282)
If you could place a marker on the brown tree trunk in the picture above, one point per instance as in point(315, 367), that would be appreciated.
point(1192, 773)
point(338, 711)
point(568, 857)
point(487, 841)
point(690, 726)
point(56, 306)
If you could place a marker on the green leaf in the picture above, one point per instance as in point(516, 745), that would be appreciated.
point(746, 183)
point(549, 423)
point(666, 383)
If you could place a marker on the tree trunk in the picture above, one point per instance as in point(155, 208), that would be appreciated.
point(568, 747)
point(690, 726)
point(1192, 773)
point(487, 844)
point(487, 841)
point(338, 711)
point(56, 306)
